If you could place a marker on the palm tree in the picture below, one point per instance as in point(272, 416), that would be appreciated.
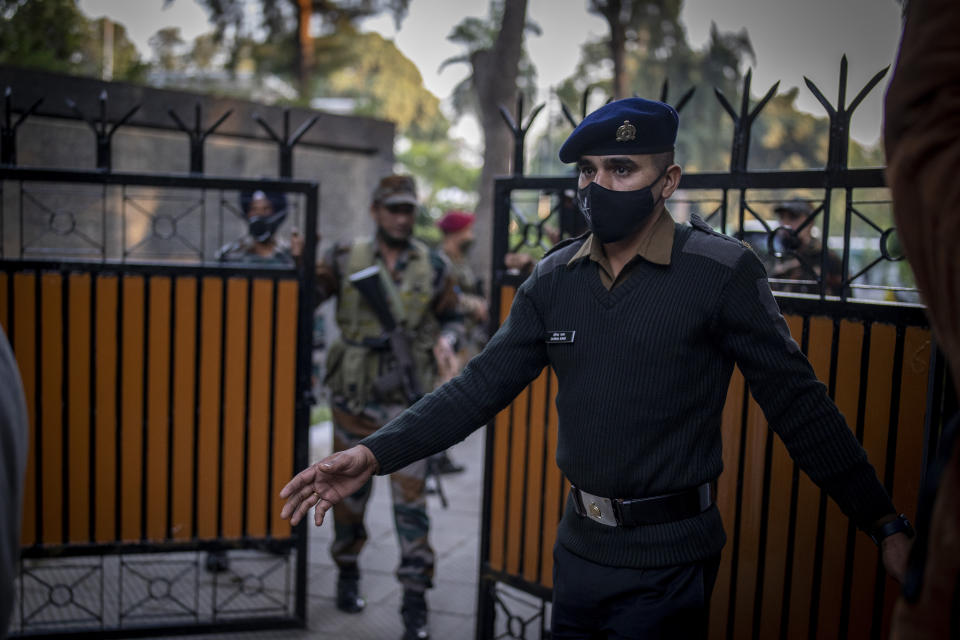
point(500, 68)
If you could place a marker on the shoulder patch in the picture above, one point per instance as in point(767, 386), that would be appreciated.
point(712, 244)
point(560, 254)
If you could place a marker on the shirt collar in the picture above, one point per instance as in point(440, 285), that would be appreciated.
point(656, 245)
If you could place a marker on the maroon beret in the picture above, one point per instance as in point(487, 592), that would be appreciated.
point(455, 221)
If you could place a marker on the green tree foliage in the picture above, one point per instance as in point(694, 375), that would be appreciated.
point(444, 181)
point(656, 49)
point(664, 53)
point(638, 25)
point(384, 82)
point(54, 35)
point(167, 45)
point(286, 24)
point(343, 62)
point(204, 52)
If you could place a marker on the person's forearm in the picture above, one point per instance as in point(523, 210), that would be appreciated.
point(514, 357)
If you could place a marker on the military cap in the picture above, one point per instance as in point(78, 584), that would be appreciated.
point(795, 208)
point(629, 126)
point(396, 189)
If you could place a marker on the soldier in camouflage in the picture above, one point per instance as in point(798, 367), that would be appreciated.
point(420, 293)
point(458, 238)
point(265, 212)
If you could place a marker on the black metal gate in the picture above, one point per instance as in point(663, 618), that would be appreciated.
point(169, 399)
point(794, 566)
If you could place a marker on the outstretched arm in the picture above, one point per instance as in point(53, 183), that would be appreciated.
point(798, 408)
point(512, 359)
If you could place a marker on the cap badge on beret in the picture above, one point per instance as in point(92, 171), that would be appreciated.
point(626, 132)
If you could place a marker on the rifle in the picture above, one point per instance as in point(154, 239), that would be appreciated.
point(367, 281)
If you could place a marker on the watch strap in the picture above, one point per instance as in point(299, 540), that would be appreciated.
point(900, 524)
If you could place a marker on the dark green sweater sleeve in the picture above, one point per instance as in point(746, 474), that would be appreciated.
point(796, 404)
point(511, 360)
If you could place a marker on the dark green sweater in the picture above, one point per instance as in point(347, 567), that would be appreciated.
point(642, 388)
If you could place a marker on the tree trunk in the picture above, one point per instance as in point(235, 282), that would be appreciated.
point(304, 47)
point(495, 81)
point(618, 39)
point(612, 11)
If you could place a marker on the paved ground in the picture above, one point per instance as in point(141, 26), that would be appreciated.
point(455, 538)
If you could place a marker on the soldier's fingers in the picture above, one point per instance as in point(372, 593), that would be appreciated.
point(289, 507)
point(294, 502)
point(322, 507)
point(300, 480)
point(303, 508)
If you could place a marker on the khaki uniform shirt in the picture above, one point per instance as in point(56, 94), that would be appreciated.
point(655, 246)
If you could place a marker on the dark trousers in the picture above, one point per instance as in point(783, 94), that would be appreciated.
point(594, 602)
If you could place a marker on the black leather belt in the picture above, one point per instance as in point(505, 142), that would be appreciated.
point(617, 512)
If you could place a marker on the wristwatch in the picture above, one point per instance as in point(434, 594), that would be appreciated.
point(897, 525)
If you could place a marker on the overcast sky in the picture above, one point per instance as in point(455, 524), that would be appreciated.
point(792, 38)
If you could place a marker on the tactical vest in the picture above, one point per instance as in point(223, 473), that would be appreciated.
point(355, 361)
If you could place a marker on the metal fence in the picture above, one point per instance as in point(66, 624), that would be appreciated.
point(794, 566)
point(168, 396)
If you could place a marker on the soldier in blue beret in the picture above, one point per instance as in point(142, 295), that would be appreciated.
point(643, 320)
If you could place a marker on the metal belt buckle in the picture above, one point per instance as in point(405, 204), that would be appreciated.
point(598, 509)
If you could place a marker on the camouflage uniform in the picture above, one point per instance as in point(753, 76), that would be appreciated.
point(469, 292)
point(421, 296)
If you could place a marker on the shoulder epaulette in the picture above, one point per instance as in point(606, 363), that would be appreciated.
point(560, 253)
point(713, 244)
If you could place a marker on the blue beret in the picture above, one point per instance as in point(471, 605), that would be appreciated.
point(278, 200)
point(630, 126)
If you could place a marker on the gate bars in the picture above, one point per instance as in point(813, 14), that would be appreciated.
point(877, 359)
point(169, 398)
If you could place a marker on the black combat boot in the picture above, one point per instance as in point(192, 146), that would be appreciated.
point(414, 614)
point(348, 591)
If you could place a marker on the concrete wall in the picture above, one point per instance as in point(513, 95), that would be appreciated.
point(345, 154)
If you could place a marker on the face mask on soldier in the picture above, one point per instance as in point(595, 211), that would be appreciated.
point(614, 215)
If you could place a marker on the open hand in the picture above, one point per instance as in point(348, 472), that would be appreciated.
point(326, 483)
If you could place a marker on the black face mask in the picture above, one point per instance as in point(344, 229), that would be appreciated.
point(262, 228)
point(614, 215)
point(465, 246)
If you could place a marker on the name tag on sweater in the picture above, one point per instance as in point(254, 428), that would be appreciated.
point(560, 337)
